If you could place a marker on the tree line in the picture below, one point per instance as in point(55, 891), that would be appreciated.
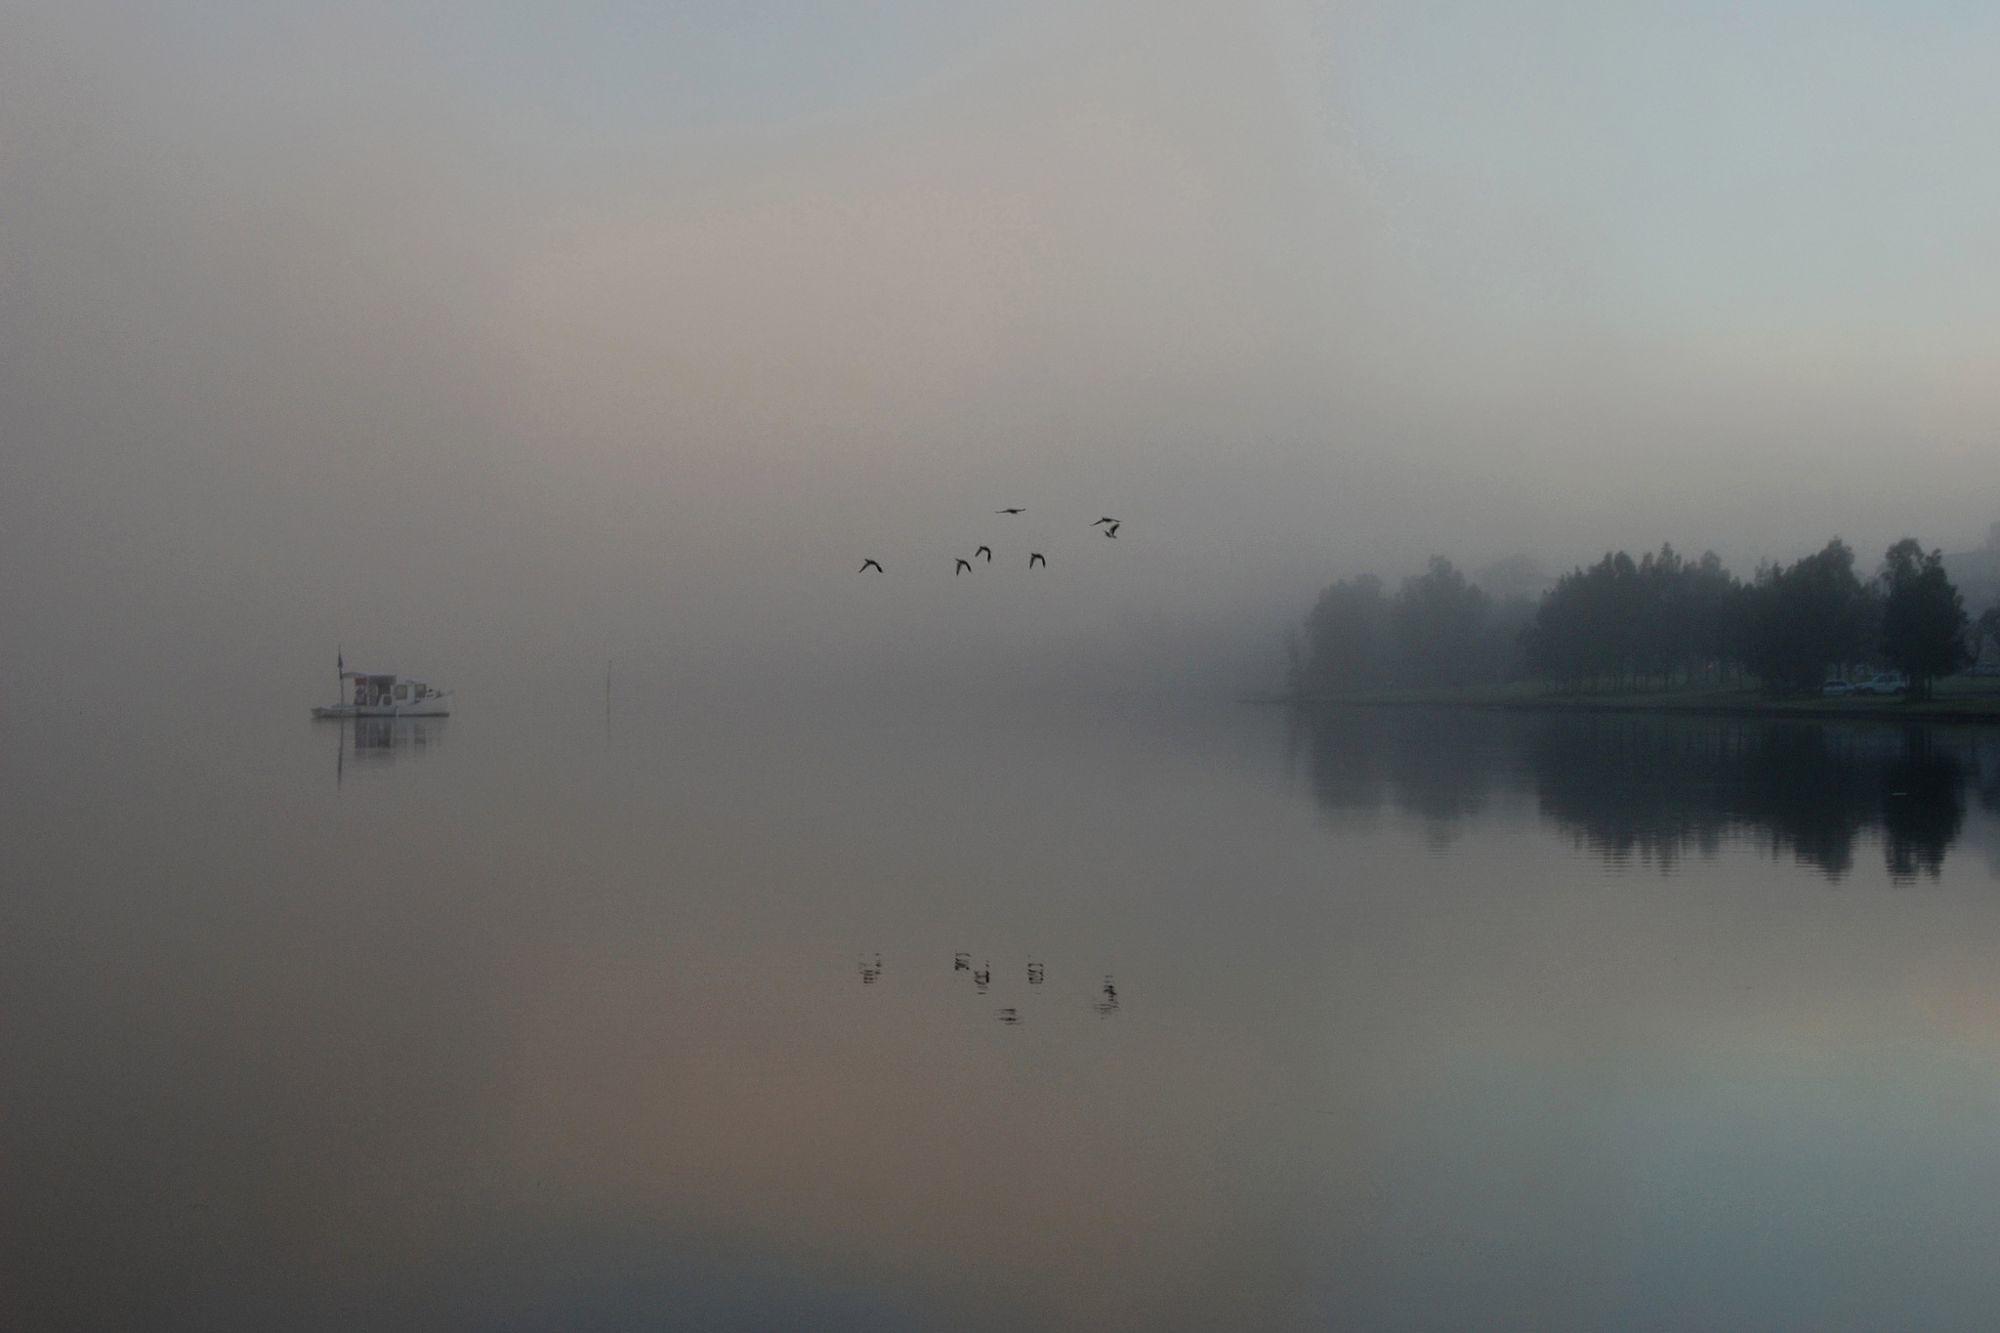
point(1655, 622)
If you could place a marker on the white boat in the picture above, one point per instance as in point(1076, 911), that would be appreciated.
point(386, 694)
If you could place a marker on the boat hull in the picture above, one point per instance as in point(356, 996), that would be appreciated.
point(424, 708)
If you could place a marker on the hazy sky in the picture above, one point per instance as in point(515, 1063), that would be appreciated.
point(488, 335)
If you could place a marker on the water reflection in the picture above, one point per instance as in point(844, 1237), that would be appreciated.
point(1421, 762)
point(1654, 788)
point(1104, 1002)
point(475, 1047)
point(376, 741)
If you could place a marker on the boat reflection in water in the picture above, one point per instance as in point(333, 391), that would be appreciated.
point(376, 741)
point(1656, 788)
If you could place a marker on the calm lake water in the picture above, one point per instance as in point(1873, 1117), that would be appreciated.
point(928, 1018)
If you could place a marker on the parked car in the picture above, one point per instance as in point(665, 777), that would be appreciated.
point(1836, 687)
point(1887, 682)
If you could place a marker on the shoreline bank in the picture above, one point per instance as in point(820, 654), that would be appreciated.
point(1973, 704)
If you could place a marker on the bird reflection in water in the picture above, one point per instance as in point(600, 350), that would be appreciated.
point(1104, 1004)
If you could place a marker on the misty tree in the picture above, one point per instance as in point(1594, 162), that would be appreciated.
point(1624, 621)
point(1614, 606)
point(1652, 622)
point(1504, 651)
point(1439, 621)
point(1438, 629)
point(1714, 614)
point(1986, 627)
point(1347, 636)
point(1805, 618)
point(1923, 619)
point(1566, 641)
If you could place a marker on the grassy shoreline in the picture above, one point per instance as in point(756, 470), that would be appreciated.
point(1956, 700)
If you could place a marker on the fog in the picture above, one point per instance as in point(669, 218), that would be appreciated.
point(535, 349)
point(497, 347)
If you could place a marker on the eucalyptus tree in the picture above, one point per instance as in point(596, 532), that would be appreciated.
point(1804, 618)
point(1923, 616)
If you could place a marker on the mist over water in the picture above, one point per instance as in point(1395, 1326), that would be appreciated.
point(516, 1019)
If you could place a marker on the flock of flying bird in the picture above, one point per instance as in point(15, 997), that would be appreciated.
point(961, 565)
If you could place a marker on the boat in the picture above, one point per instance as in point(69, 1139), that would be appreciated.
point(386, 694)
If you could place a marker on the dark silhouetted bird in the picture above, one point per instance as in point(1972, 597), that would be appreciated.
point(867, 565)
point(1037, 558)
point(1104, 520)
point(1010, 511)
point(986, 551)
point(961, 567)
point(1112, 531)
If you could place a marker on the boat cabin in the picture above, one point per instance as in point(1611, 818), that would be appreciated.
point(386, 694)
point(385, 689)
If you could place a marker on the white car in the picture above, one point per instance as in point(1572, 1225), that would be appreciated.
point(1887, 682)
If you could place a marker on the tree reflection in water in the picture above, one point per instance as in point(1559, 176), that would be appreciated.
point(1441, 765)
point(1655, 788)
